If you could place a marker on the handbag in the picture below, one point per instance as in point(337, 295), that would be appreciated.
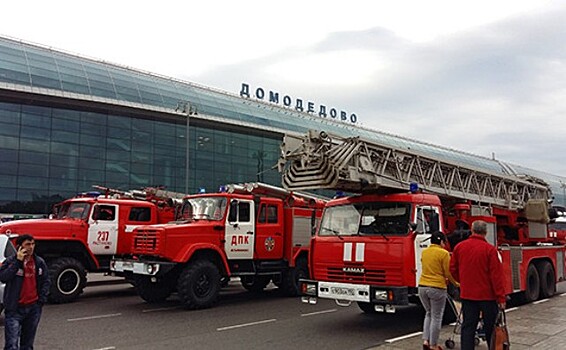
point(500, 335)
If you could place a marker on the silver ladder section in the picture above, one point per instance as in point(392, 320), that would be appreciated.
point(320, 161)
point(260, 188)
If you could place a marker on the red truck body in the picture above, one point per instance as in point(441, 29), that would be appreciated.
point(378, 266)
point(83, 235)
point(261, 236)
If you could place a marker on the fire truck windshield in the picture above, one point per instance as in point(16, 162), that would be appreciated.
point(386, 218)
point(558, 225)
point(74, 210)
point(208, 208)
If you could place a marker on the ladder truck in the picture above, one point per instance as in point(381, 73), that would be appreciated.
point(368, 245)
point(254, 231)
point(84, 232)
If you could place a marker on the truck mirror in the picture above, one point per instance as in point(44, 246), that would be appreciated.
point(413, 226)
point(96, 212)
point(233, 215)
point(313, 222)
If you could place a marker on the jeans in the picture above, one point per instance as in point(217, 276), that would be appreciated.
point(471, 310)
point(434, 301)
point(20, 326)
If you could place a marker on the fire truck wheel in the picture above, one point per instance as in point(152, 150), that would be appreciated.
point(532, 291)
point(291, 278)
point(547, 279)
point(199, 284)
point(68, 279)
point(153, 292)
point(367, 308)
point(256, 283)
point(450, 344)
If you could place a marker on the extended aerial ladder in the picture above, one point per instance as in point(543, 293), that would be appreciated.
point(155, 195)
point(260, 188)
point(321, 161)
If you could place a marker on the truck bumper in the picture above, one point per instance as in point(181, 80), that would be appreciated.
point(148, 268)
point(346, 293)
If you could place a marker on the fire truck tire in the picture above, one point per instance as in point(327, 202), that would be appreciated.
point(532, 291)
point(199, 285)
point(291, 278)
point(68, 280)
point(153, 292)
point(255, 283)
point(547, 279)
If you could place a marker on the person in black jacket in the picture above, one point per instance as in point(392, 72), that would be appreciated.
point(27, 286)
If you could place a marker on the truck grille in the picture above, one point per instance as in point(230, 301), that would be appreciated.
point(375, 276)
point(146, 241)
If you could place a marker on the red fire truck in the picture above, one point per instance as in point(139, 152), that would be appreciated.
point(86, 231)
point(257, 232)
point(368, 246)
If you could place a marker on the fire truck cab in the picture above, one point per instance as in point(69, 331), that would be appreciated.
point(256, 232)
point(85, 232)
point(369, 244)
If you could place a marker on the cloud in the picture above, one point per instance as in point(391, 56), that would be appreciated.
point(496, 89)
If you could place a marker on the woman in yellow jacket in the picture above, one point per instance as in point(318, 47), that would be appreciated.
point(435, 262)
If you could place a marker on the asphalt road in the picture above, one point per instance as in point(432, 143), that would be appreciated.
point(114, 317)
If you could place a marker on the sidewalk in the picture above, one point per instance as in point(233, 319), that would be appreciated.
point(539, 325)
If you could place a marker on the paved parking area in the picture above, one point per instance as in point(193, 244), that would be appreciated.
point(539, 325)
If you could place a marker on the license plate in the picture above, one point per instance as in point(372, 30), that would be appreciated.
point(342, 291)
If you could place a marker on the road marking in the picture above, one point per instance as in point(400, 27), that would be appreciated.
point(245, 325)
point(563, 295)
point(541, 301)
point(162, 309)
point(318, 312)
point(92, 317)
point(106, 348)
point(512, 309)
point(403, 337)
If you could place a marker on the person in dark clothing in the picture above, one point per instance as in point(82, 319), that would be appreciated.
point(476, 264)
point(27, 286)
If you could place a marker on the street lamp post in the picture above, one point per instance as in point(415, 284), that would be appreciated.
point(186, 108)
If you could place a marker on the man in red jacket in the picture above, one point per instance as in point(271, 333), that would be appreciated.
point(476, 264)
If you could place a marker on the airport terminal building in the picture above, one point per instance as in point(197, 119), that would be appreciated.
point(69, 122)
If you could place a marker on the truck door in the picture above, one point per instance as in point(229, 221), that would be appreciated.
point(240, 231)
point(103, 229)
point(427, 219)
point(269, 231)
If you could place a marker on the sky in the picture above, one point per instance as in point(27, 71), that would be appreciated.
point(485, 76)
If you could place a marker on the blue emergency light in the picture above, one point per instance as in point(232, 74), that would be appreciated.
point(414, 187)
point(339, 194)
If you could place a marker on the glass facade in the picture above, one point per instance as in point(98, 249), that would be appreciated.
point(64, 127)
point(51, 153)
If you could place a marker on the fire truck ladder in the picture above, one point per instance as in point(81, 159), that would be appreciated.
point(154, 194)
point(320, 161)
point(260, 188)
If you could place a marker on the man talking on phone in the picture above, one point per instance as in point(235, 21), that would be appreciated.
point(27, 286)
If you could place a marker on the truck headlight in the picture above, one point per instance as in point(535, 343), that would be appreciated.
point(381, 295)
point(308, 288)
point(151, 268)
